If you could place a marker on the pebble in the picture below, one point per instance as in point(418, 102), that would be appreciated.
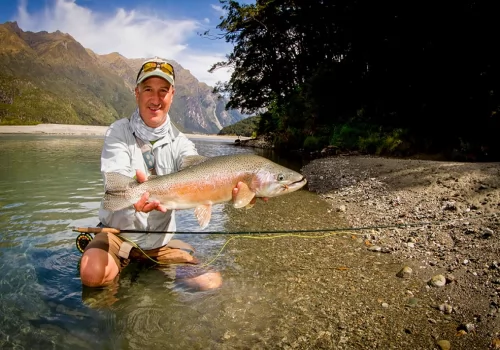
point(466, 327)
point(449, 206)
point(487, 232)
point(450, 278)
point(437, 281)
point(444, 344)
point(405, 272)
point(412, 302)
point(446, 308)
point(495, 344)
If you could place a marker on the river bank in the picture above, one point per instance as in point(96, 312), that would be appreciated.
point(85, 130)
point(423, 273)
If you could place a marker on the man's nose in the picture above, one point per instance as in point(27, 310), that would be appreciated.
point(156, 98)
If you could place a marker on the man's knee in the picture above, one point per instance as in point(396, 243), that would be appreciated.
point(97, 268)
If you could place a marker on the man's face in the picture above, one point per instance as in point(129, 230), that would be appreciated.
point(154, 97)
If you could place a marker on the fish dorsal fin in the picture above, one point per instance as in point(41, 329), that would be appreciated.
point(114, 181)
point(243, 197)
point(116, 188)
point(188, 161)
point(203, 214)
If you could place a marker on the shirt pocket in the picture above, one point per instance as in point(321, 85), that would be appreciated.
point(164, 163)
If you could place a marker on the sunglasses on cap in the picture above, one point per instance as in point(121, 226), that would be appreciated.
point(165, 67)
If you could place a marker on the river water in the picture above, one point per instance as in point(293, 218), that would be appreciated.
point(50, 184)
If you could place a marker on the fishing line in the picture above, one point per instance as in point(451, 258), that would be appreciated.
point(280, 233)
point(333, 231)
point(97, 230)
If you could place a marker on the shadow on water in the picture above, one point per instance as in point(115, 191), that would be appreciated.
point(49, 184)
point(293, 160)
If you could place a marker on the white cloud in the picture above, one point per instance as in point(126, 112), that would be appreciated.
point(219, 9)
point(134, 34)
point(221, 74)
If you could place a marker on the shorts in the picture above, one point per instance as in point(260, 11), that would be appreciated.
point(175, 252)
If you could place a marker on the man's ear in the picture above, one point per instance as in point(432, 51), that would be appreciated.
point(136, 92)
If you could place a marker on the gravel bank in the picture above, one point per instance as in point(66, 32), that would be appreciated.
point(444, 230)
point(423, 273)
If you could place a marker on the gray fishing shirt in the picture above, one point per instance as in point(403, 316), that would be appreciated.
point(122, 154)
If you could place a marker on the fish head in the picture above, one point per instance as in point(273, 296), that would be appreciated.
point(274, 180)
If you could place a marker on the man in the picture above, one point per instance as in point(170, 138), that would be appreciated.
point(146, 144)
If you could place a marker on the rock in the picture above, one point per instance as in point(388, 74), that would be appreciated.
point(405, 272)
point(450, 278)
point(444, 344)
point(487, 232)
point(446, 308)
point(467, 327)
point(451, 205)
point(437, 281)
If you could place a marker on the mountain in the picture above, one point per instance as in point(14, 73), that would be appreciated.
point(52, 78)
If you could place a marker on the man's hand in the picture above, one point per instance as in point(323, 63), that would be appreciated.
point(143, 204)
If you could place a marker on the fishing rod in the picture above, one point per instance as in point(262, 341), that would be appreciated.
point(116, 231)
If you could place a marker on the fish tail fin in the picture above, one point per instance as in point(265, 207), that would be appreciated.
point(118, 191)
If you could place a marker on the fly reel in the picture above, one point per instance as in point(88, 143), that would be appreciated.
point(82, 241)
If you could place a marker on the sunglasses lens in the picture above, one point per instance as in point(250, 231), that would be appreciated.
point(167, 68)
point(149, 67)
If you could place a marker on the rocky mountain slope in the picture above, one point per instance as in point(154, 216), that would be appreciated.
point(52, 78)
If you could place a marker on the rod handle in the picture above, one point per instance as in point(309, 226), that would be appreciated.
point(96, 230)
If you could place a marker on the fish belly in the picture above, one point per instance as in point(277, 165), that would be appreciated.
point(193, 194)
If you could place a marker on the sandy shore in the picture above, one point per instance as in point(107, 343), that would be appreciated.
point(82, 130)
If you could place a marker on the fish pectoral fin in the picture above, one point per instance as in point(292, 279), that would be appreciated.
point(251, 204)
point(243, 197)
point(203, 214)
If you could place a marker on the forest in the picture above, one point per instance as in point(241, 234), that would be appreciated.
point(387, 77)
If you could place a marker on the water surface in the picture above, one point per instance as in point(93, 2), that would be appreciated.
point(50, 184)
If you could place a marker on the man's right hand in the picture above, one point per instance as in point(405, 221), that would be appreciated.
point(143, 205)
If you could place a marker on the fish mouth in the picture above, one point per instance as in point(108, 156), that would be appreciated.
point(304, 180)
point(296, 184)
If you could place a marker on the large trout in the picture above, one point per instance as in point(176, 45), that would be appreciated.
point(209, 181)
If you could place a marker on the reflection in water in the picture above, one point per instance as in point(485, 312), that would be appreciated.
point(49, 184)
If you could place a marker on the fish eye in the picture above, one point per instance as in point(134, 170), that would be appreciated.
point(281, 177)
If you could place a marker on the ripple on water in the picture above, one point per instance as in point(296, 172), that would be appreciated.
point(13, 205)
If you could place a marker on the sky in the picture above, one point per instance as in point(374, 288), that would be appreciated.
point(135, 29)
